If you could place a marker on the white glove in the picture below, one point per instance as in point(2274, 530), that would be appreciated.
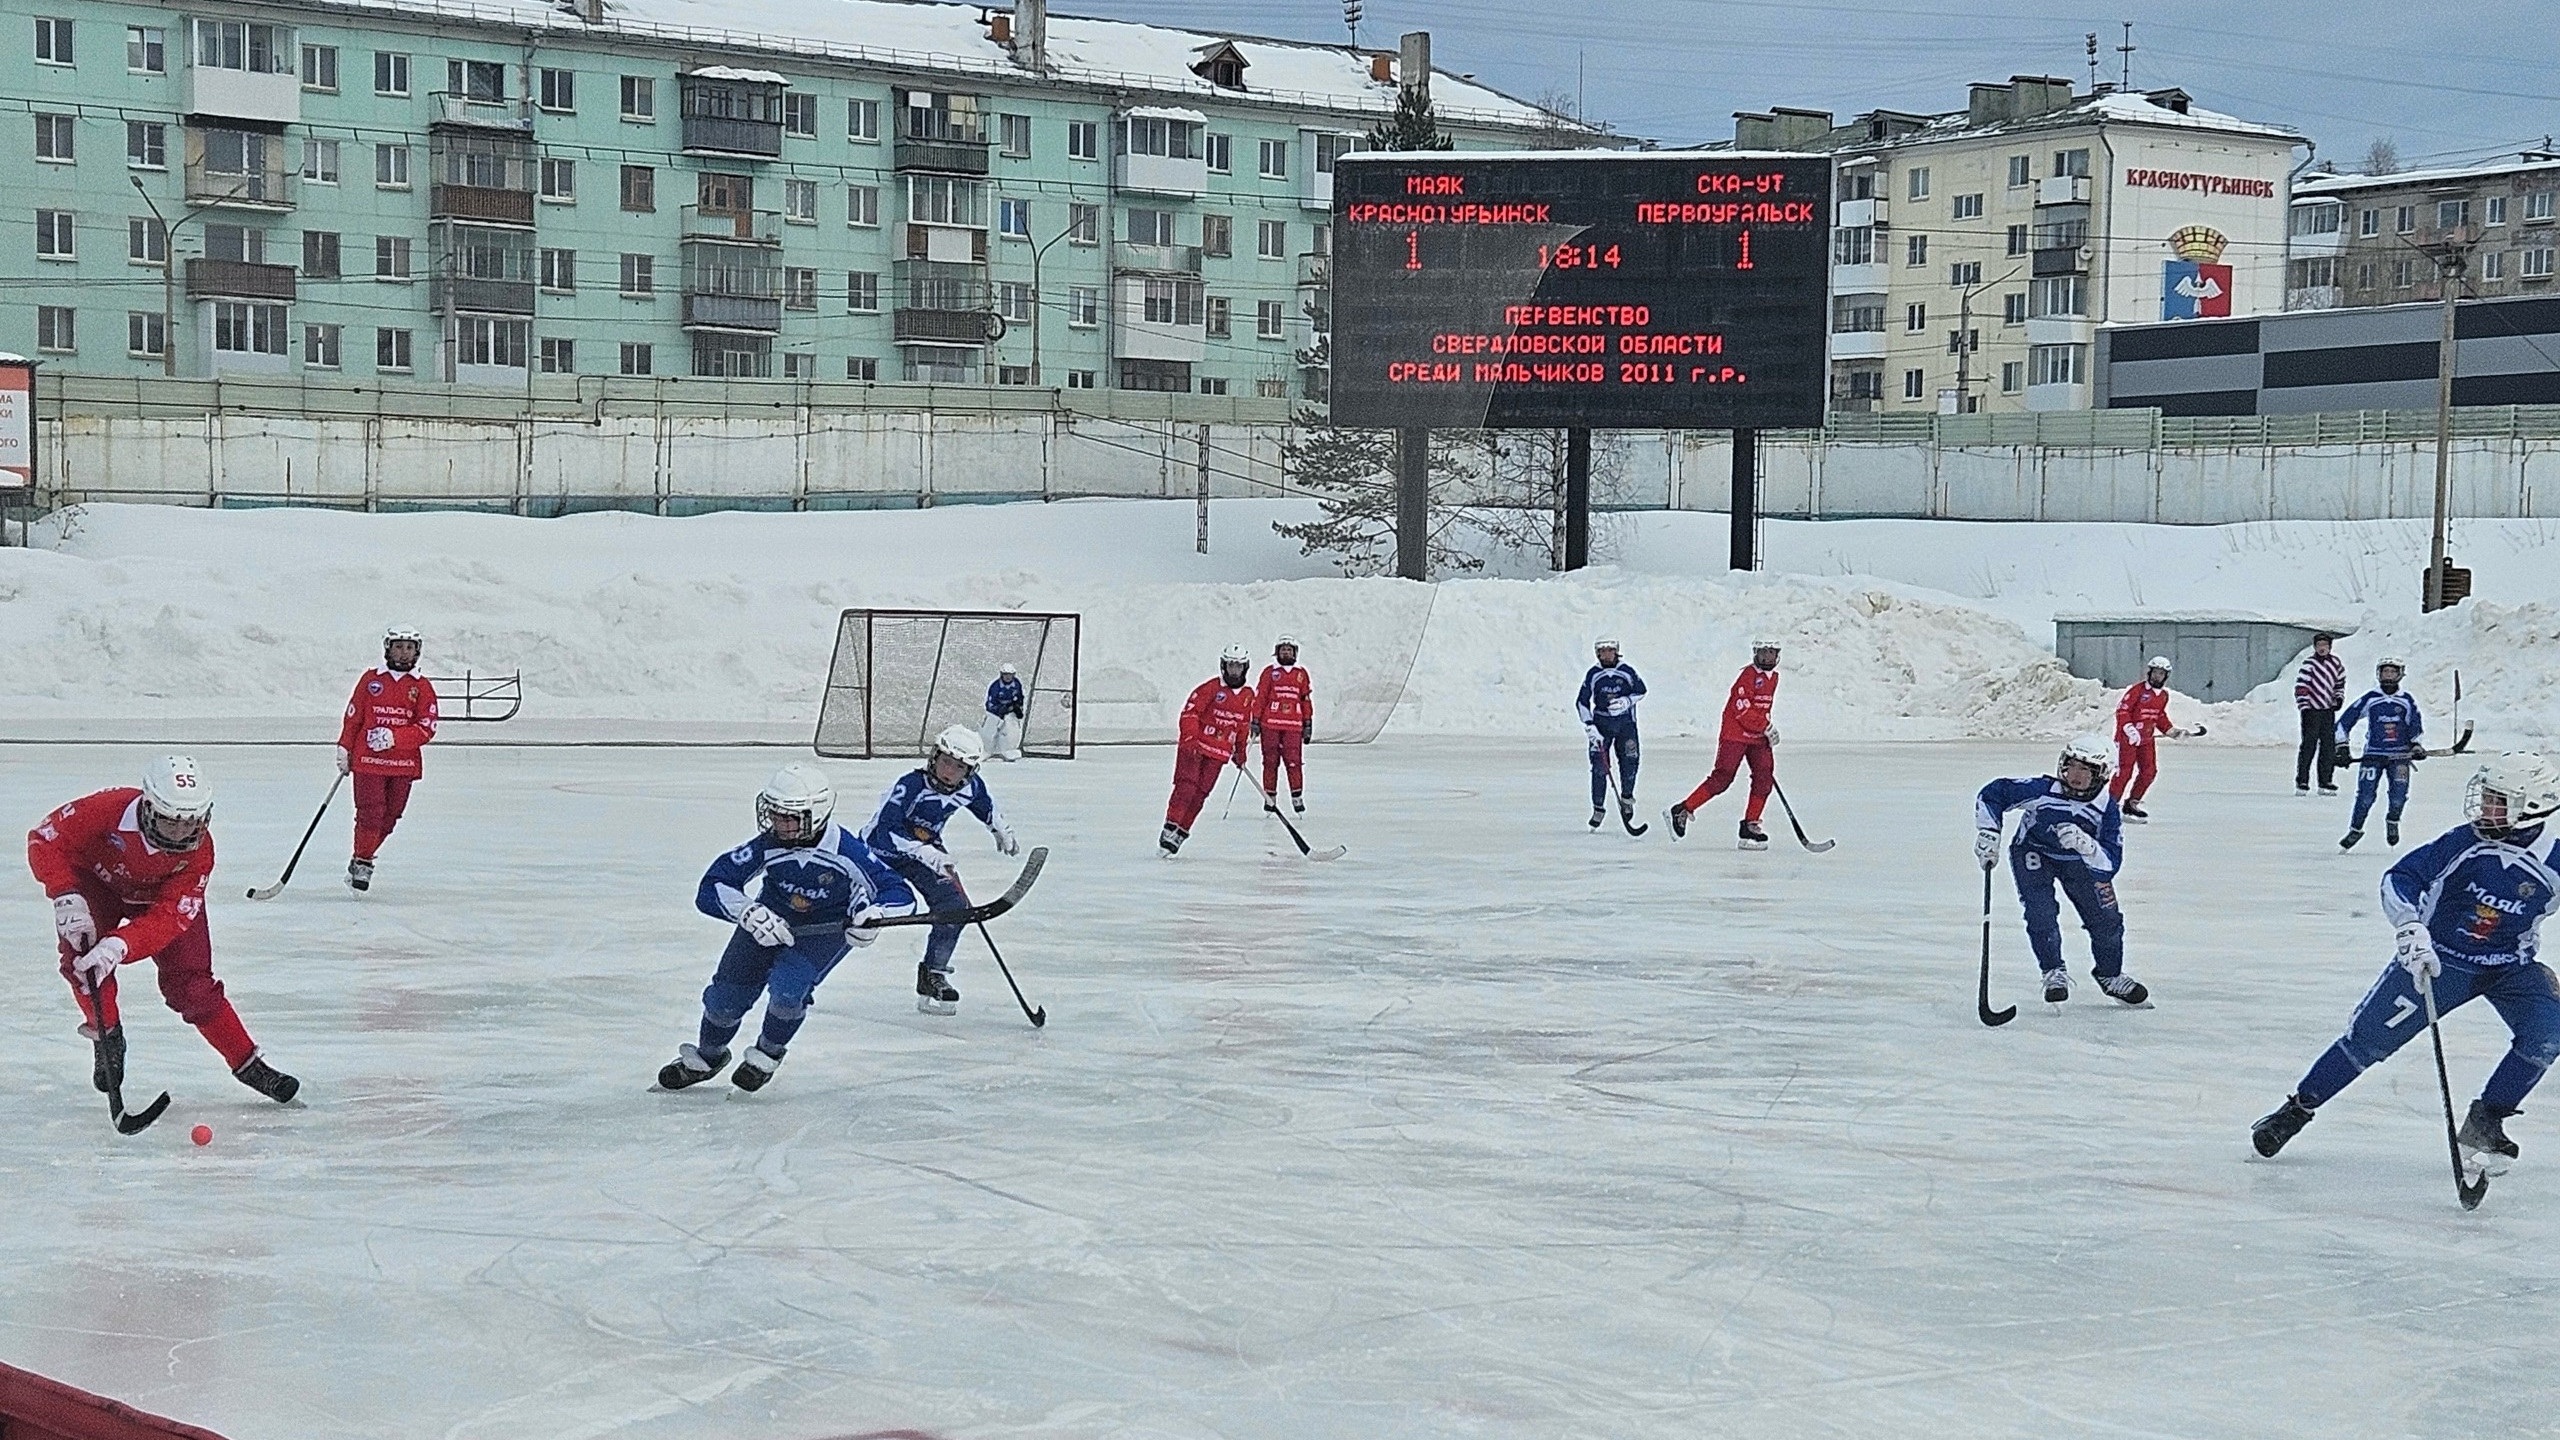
point(2133, 734)
point(346, 762)
point(1770, 734)
point(1006, 844)
point(864, 926)
point(2415, 951)
point(2076, 840)
point(1591, 734)
point(99, 961)
point(1986, 847)
point(934, 858)
point(72, 921)
point(764, 927)
point(378, 739)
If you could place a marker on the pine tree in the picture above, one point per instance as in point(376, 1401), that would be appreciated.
point(1414, 126)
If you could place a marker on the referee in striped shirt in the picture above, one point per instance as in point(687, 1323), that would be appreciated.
point(2317, 692)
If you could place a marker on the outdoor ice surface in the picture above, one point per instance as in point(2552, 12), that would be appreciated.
point(1496, 1127)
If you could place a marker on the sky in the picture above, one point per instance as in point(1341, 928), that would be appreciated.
point(2344, 72)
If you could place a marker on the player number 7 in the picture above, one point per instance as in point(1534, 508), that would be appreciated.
point(2401, 1009)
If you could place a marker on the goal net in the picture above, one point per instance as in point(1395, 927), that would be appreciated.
point(900, 676)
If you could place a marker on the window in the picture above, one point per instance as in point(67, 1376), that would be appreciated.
point(1968, 207)
point(862, 120)
point(2013, 376)
point(1080, 379)
point(1270, 319)
point(1013, 219)
point(800, 116)
point(320, 346)
point(56, 327)
point(1150, 227)
point(320, 254)
point(2022, 170)
point(2071, 162)
point(2318, 219)
point(53, 235)
point(240, 328)
point(1275, 160)
point(865, 368)
point(1174, 302)
point(391, 77)
point(799, 365)
point(320, 72)
point(1964, 273)
point(390, 257)
point(1014, 301)
point(320, 162)
point(1084, 140)
point(559, 270)
point(1015, 134)
point(481, 80)
point(862, 291)
point(1221, 154)
point(557, 92)
point(1866, 384)
point(2494, 210)
point(2013, 308)
point(862, 205)
point(1084, 306)
point(559, 356)
point(1915, 318)
point(939, 365)
point(1013, 374)
point(53, 46)
point(1217, 235)
point(639, 189)
point(1330, 147)
point(799, 288)
point(54, 138)
point(639, 98)
point(145, 333)
point(2058, 365)
point(391, 350)
point(2452, 214)
point(391, 167)
point(145, 243)
point(639, 274)
point(800, 202)
point(1271, 239)
point(1216, 312)
point(1967, 341)
point(1915, 383)
point(2368, 222)
point(1917, 181)
point(559, 181)
point(1858, 181)
point(2059, 295)
point(235, 242)
point(635, 359)
point(1213, 385)
point(2017, 240)
point(1084, 224)
point(2493, 265)
point(946, 200)
point(1156, 135)
point(1854, 245)
point(238, 45)
point(146, 52)
point(1915, 250)
point(1857, 314)
point(2537, 264)
point(2364, 275)
point(2537, 204)
point(2406, 220)
point(487, 340)
point(2312, 274)
point(2404, 273)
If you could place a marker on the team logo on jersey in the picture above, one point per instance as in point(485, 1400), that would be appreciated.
point(373, 687)
point(798, 901)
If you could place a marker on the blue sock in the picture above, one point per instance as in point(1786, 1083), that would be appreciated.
point(714, 1040)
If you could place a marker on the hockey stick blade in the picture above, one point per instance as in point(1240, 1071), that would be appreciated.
point(138, 1121)
point(269, 892)
point(1982, 996)
point(1633, 828)
point(1817, 847)
point(2465, 1190)
point(980, 914)
point(1272, 809)
point(2462, 742)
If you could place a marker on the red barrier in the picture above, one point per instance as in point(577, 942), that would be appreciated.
point(34, 1408)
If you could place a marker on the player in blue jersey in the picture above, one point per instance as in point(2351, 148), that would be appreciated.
point(2070, 833)
point(2465, 907)
point(1607, 704)
point(1002, 729)
point(906, 833)
point(2392, 726)
point(802, 893)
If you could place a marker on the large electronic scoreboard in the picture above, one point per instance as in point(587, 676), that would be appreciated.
point(1585, 290)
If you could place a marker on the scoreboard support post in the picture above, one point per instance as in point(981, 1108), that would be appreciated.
point(1746, 500)
point(1577, 498)
point(1413, 503)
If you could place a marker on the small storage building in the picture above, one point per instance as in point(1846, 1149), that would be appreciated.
point(2213, 655)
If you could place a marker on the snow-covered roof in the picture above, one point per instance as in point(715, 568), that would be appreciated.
point(2315, 186)
point(924, 35)
point(2118, 107)
point(2201, 617)
point(1691, 156)
point(1166, 112)
point(732, 72)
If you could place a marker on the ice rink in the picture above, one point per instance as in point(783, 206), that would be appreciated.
point(1494, 1128)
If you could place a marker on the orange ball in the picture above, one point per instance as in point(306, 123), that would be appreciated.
point(202, 1134)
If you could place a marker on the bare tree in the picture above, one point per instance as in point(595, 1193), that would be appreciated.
point(2382, 157)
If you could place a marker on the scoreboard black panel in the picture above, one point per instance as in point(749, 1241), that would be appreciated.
point(1604, 291)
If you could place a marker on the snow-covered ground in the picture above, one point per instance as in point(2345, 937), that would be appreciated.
point(1496, 1128)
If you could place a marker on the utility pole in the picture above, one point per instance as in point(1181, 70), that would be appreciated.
point(169, 269)
point(1964, 340)
point(1040, 299)
point(1204, 490)
point(2452, 255)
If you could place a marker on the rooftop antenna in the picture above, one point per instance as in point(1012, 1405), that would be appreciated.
point(2090, 42)
point(1351, 19)
point(2126, 50)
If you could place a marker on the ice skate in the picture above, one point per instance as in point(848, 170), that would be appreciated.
point(359, 874)
point(2134, 812)
point(690, 1067)
point(267, 1080)
point(2126, 990)
point(1752, 837)
point(2282, 1124)
point(2057, 986)
point(1599, 816)
point(1171, 838)
point(1678, 815)
point(2483, 1137)
point(1298, 801)
point(755, 1069)
point(2391, 832)
point(934, 995)
point(2348, 842)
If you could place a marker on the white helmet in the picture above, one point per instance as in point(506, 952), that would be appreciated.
point(176, 803)
point(1759, 645)
point(962, 744)
point(1234, 655)
point(2392, 662)
point(798, 793)
point(2092, 751)
point(1605, 643)
point(1007, 669)
point(401, 635)
point(1285, 642)
point(2511, 791)
point(2157, 662)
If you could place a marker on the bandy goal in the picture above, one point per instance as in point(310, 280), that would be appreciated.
point(900, 676)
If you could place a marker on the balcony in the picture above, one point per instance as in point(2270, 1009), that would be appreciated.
point(958, 157)
point(1155, 259)
point(1857, 344)
point(712, 311)
point(946, 244)
point(238, 280)
point(1160, 174)
point(729, 135)
point(2063, 190)
point(1315, 270)
point(481, 203)
point(270, 188)
point(743, 227)
point(2061, 330)
point(273, 98)
point(1857, 213)
point(473, 112)
point(945, 327)
point(2315, 297)
point(464, 294)
point(1869, 278)
point(2061, 260)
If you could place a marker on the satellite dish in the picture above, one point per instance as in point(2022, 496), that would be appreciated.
point(995, 326)
point(2087, 254)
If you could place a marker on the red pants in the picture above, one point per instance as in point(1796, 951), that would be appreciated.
point(1283, 743)
point(380, 800)
point(1194, 776)
point(2138, 765)
point(186, 984)
point(1730, 754)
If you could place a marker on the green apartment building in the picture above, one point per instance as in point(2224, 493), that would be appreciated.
point(475, 192)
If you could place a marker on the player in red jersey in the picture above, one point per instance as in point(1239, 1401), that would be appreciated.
point(1284, 711)
point(126, 869)
point(390, 718)
point(1215, 722)
point(1747, 735)
point(2142, 717)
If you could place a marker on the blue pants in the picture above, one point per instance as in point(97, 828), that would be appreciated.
point(2093, 897)
point(940, 892)
point(2368, 777)
point(786, 978)
point(1623, 742)
point(2391, 1014)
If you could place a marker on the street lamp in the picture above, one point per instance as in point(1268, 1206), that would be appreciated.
point(1964, 339)
point(1038, 299)
point(169, 268)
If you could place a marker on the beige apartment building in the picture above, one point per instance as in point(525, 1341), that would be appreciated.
point(2362, 240)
